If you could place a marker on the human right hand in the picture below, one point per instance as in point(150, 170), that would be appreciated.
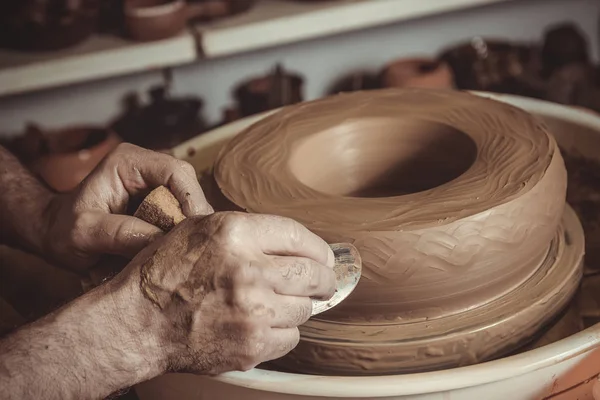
point(226, 292)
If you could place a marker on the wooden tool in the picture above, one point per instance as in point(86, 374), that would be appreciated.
point(162, 209)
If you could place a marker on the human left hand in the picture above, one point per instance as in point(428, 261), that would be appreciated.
point(91, 221)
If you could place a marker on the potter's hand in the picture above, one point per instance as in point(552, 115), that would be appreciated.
point(220, 293)
point(90, 221)
point(228, 291)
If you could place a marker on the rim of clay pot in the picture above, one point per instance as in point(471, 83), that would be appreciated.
point(406, 384)
point(154, 11)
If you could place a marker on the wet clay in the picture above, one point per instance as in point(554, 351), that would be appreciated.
point(452, 201)
point(490, 331)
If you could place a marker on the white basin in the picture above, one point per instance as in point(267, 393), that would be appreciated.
point(563, 370)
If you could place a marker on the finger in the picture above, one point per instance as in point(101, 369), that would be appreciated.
point(290, 311)
point(141, 169)
point(299, 276)
point(284, 236)
point(281, 341)
point(187, 190)
point(117, 234)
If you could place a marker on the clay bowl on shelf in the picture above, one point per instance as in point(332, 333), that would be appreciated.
point(44, 25)
point(148, 20)
point(417, 73)
point(564, 369)
point(73, 153)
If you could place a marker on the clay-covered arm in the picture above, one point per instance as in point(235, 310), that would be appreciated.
point(89, 349)
point(23, 204)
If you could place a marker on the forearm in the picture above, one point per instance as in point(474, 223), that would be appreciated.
point(86, 350)
point(23, 204)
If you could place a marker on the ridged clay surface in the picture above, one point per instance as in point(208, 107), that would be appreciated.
point(427, 254)
point(452, 201)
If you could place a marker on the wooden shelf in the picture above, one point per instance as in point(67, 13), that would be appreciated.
point(99, 57)
point(277, 22)
point(269, 23)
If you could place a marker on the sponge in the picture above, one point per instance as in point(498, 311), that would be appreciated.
point(160, 208)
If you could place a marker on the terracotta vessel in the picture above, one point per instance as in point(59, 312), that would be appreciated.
point(355, 82)
point(148, 20)
point(46, 24)
point(495, 65)
point(163, 123)
point(561, 370)
point(277, 89)
point(73, 153)
point(417, 73)
point(209, 10)
point(563, 44)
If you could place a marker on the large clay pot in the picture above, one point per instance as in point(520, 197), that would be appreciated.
point(562, 370)
point(452, 201)
point(73, 153)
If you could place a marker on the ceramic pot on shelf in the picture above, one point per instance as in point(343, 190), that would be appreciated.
point(277, 89)
point(43, 25)
point(162, 124)
point(72, 153)
point(148, 20)
point(564, 44)
point(417, 73)
point(356, 81)
point(111, 19)
point(497, 66)
point(208, 10)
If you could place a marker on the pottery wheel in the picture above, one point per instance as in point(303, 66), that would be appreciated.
point(455, 204)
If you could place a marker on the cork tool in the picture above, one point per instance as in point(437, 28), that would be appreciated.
point(161, 208)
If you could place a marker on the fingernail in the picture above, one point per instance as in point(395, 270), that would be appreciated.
point(330, 258)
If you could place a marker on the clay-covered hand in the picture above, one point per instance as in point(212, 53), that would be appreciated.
point(227, 292)
point(91, 221)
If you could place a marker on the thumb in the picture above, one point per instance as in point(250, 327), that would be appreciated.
point(120, 235)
